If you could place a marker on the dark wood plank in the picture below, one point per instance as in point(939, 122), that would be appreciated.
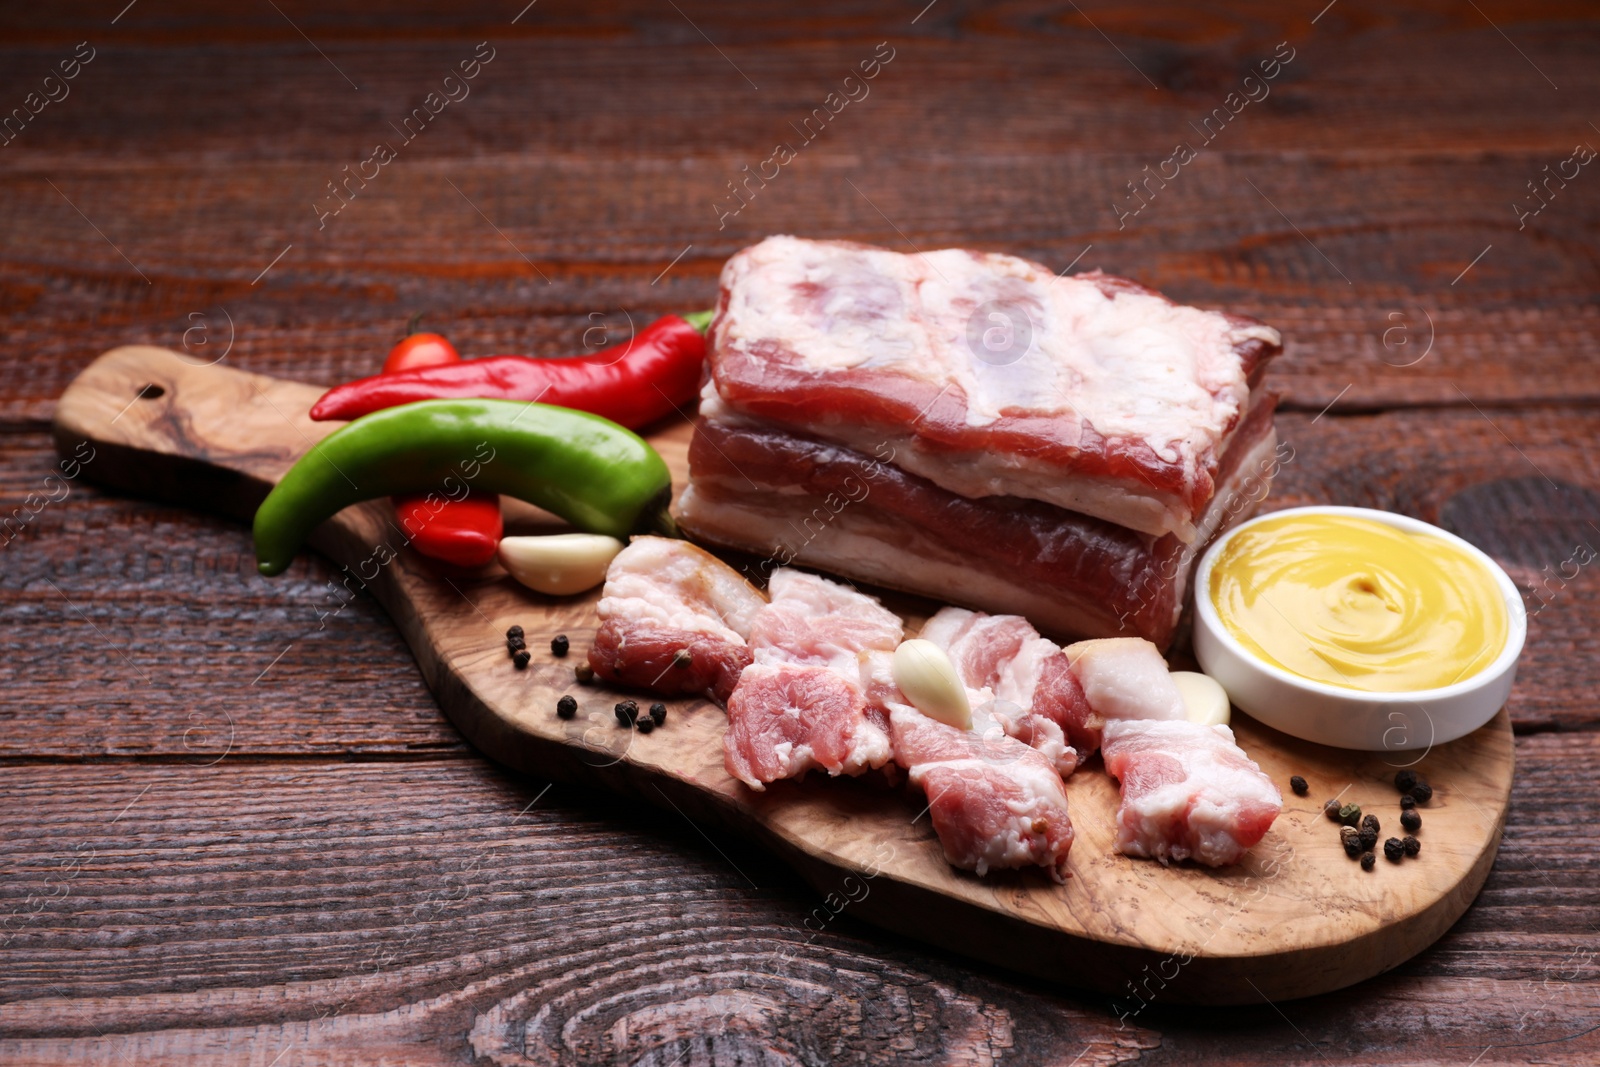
point(1512, 329)
point(1048, 78)
point(416, 909)
point(1398, 199)
point(348, 909)
point(136, 629)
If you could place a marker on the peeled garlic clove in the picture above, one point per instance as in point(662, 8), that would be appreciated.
point(558, 564)
point(929, 680)
point(1204, 701)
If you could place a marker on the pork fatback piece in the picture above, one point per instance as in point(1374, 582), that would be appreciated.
point(1125, 678)
point(800, 704)
point(994, 802)
point(673, 619)
point(1188, 791)
point(1007, 669)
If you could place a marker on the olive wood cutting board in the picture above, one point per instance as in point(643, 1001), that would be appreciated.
point(1297, 918)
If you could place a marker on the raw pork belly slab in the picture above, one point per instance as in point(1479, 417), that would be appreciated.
point(994, 802)
point(798, 499)
point(1187, 792)
point(1106, 398)
point(664, 597)
point(801, 704)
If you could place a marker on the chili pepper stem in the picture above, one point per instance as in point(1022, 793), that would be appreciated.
point(656, 518)
point(700, 320)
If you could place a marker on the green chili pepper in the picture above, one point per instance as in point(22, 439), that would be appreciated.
point(588, 470)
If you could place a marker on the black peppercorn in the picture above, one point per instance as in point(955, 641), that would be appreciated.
point(1393, 850)
point(1369, 839)
point(583, 673)
point(658, 713)
point(1407, 802)
point(514, 643)
point(1350, 838)
point(1411, 845)
point(645, 724)
point(559, 645)
point(1405, 780)
point(1423, 792)
point(1369, 860)
point(627, 711)
point(1350, 814)
point(1298, 784)
point(681, 658)
point(1331, 810)
point(1370, 822)
point(515, 631)
point(1411, 820)
point(520, 658)
point(566, 707)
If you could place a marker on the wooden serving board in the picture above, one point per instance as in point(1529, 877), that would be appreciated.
point(1297, 918)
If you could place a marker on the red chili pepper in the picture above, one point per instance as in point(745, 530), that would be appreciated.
point(651, 376)
point(467, 531)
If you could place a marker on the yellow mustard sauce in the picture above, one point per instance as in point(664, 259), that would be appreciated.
point(1360, 604)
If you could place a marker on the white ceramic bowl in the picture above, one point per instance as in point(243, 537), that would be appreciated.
point(1350, 718)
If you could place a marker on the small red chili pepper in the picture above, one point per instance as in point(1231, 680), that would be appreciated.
point(464, 532)
point(653, 375)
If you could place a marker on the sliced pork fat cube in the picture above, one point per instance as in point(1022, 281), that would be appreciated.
point(801, 704)
point(1188, 791)
point(815, 621)
point(1125, 678)
point(673, 619)
point(1007, 669)
point(994, 802)
point(784, 719)
point(1059, 697)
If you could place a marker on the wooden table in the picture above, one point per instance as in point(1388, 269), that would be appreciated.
point(235, 831)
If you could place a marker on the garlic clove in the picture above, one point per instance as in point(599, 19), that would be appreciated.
point(558, 564)
point(1204, 701)
point(929, 680)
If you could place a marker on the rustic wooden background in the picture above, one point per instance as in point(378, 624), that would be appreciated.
point(231, 835)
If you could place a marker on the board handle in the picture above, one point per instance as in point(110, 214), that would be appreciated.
point(168, 428)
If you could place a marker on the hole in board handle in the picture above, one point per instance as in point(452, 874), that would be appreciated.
point(151, 392)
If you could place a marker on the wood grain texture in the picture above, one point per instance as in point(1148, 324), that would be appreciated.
point(160, 425)
point(1326, 209)
point(1397, 141)
point(1398, 333)
point(426, 912)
